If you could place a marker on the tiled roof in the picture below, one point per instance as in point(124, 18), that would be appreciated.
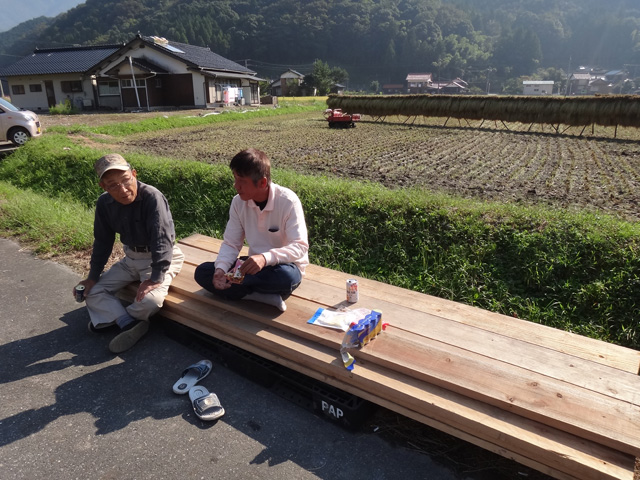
point(199, 57)
point(59, 60)
point(298, 74)
point(581, 76)
point(419, 77)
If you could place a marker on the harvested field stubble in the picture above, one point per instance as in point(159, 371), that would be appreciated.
point(568, 171)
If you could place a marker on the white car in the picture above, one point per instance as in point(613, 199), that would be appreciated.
point(16, 125)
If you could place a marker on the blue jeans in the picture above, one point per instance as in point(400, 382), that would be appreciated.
point(282, 279)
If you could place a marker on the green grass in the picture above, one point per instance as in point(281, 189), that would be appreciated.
point(577, 272)
point(162, 122)
point(52, 225)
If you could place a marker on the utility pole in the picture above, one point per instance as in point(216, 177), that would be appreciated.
point(489, 70)
point(566, 89)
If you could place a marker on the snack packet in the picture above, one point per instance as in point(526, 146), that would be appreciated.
point(359, 334)
point(235, 275)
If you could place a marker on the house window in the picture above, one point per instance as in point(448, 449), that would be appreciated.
point(158, 83)
point(35, 87)
point(17, 89)
point(128, 83)
point(71, 86)
point(106, 88)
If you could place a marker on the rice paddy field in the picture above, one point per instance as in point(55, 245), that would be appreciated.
point(596, 169)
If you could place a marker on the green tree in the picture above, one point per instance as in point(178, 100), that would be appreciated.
point(518, 50)
point(323, 77)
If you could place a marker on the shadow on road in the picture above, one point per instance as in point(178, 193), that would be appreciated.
point(115, 390)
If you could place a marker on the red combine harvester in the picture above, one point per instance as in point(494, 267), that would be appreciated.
point(337, 119)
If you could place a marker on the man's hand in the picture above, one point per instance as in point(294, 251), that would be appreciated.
point(253, 264)
point(88, 285)
point(145, 287)
point(220, 280)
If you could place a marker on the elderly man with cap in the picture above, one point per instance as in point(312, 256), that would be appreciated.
point(140, 214)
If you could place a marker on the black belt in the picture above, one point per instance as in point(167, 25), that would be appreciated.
point(140, 249)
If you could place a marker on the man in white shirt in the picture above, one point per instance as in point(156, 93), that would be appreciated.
point(271, 219)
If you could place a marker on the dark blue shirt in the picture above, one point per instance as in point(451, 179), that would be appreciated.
point(146, 221)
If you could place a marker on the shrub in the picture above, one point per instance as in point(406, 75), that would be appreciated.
point(63, 108)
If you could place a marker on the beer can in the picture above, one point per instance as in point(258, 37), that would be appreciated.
point(352, 290)
point(79, 293)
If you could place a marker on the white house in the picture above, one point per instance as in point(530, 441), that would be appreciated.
point(153, 72)
point(419, 82)
point(538, 87)
point(282, 86)
point(146, 73)
point(53, 75)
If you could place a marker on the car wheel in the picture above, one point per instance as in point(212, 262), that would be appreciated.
point(19, 136)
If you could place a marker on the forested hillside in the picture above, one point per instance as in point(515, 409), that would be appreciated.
point(374, 40)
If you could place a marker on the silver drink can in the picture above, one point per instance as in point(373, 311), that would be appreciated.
point(79, 293)
point(352, 290)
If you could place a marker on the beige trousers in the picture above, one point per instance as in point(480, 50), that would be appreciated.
point(105, 307)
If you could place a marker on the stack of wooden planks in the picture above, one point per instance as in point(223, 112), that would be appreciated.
point(566, 405)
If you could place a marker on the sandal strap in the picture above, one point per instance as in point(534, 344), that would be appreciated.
point(204, 403)
point(201, 369)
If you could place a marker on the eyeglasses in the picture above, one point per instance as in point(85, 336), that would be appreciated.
point(116, 186)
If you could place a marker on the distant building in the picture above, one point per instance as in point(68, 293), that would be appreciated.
point(283, 86)
point(52, 75)
point(615, 76)
point(579, 84)
point(393, 88)
point(453, 87)
point(600, 86)
point(338, 88)
point(147, 72)
point(419, 82)
point(538, 87)
point(153, 72)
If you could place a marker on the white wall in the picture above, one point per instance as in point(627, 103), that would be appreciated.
point(538, 89)
point(30, 100)
point(37, 101)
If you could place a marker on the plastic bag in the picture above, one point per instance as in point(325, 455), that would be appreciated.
point(340, 319)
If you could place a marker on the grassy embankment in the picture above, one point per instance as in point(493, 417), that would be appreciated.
point(575, 272)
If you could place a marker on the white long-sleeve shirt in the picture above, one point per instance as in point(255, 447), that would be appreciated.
point(278, 232)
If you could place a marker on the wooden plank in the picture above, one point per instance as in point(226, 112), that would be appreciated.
point(591, 415)
point(574, 370)
point(583, 373)
point(566, 342)
point(590, 375)
point(554, 452)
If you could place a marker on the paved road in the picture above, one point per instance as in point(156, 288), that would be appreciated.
point(70, 409)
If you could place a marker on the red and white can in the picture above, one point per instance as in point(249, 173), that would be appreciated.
point(352, 290)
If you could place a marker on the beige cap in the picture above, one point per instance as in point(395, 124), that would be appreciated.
point(112, 161)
